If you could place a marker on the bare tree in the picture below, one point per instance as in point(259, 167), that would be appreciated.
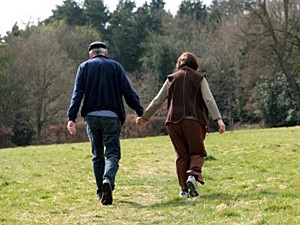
point(44, 68)
point(274, 28)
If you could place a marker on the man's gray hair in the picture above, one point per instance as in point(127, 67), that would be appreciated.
point(98, 51)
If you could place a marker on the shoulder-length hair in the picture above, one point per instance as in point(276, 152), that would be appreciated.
point(187, 59)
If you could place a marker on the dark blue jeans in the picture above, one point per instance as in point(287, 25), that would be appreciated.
point(104, 132)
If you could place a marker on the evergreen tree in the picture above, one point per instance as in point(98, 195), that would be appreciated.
point(69, 11)
point(96, 15)
point(193, 10)
point(123, 44)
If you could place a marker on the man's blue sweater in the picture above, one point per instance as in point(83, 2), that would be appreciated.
point(102, 82)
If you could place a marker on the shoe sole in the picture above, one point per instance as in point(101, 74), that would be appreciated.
point(184, 195)
point(193, 190)
point(107, 194)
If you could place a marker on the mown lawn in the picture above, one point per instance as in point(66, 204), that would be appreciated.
point(252, 177)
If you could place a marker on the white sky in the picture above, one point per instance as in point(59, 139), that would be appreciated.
point(24, 11)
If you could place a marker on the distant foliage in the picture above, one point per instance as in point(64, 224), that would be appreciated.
point(5, 137)
point(155, 127)
point(275, 105)
point(250, 51)
point(59, 134)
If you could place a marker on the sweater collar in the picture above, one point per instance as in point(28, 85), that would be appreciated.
point(99, 56)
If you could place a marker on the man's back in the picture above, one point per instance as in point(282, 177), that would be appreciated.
point(103, 83)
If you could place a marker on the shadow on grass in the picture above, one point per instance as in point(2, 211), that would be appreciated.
point(216, 196)
point(175, 203)
point(132, 204)
point(171, 203)
point(241, 194)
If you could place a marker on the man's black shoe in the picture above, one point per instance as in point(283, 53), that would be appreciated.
point(107, 198)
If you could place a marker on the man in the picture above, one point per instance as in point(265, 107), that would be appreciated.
point(102, 83)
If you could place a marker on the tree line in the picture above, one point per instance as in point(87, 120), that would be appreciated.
point(249, 49)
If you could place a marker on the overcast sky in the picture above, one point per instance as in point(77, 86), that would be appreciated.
point(23, 11)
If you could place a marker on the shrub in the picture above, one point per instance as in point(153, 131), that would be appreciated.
point(155, 127)
point(5, 137)
point(60, 134)
point(22, 135)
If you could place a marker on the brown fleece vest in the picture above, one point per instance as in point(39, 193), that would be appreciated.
point(185, 98)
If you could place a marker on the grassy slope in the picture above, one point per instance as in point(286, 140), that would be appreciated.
point(254, 180)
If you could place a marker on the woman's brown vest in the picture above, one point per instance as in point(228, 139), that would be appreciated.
point(185, 98)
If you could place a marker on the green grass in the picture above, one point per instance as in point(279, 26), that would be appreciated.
point(252, 177)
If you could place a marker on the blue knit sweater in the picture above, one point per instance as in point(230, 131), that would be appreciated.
point(102, 83)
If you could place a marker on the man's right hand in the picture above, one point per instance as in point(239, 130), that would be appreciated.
point(71, 127)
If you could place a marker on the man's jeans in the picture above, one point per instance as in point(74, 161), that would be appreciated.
point(104, 131)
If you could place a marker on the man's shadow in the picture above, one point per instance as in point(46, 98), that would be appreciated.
point(175, 202)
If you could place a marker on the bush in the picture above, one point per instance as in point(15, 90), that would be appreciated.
point(22, 135)
point(155, 127)
point(5, 137)
point(60, 134)
point(276, 106)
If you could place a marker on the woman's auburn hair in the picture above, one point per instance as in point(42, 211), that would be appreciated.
point(187, 59)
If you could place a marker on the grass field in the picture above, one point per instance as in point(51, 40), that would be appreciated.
point(252, 177)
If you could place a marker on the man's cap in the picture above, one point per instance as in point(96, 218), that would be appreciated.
point(96, 44)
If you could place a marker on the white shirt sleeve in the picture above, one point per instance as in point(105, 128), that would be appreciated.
point(209, 100)
point(157, 101)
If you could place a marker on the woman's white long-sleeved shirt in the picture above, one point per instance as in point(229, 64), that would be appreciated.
point(162, 95)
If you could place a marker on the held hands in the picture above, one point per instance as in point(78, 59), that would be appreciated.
point(221, 126)
point(141, 121)
point(71, 127)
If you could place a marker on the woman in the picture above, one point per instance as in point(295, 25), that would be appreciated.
point(189, 101)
